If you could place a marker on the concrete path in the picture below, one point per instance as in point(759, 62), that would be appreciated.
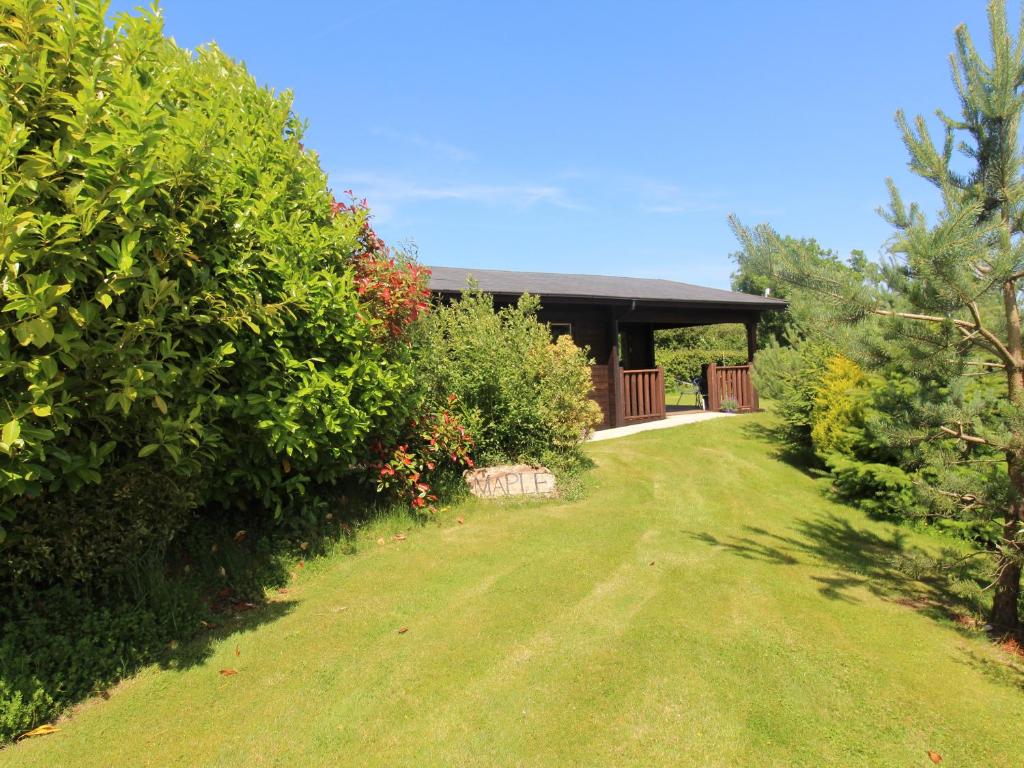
point(676, 419)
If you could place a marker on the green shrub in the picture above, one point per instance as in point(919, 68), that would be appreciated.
point(776, 369)
point(684, 365)
point(521, 397)
point(881, 490)
point(984, 532)
point(178, 291)
point(791, 377)
point(97, 539)
point(837, 424)
point(829, 404)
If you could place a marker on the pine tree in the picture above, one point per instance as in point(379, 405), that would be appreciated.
point(947, 305)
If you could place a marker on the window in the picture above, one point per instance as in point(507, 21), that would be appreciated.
point(560, 329)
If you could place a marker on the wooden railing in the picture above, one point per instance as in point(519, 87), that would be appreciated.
point(643, 394)
point(731, 383)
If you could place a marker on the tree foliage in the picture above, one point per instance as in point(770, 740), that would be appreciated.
point(944, 309)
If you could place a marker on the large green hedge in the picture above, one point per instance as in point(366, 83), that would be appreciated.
point(177, 291)
point(683, 366)
point(684, 352)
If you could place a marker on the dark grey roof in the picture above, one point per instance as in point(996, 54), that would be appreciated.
point(555, 285)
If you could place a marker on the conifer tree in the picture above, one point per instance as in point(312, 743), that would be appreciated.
point(947, 305)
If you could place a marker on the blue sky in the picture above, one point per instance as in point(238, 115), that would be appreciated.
point(610, 138)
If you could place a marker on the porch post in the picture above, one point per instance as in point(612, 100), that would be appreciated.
point(755, 405)
point(617, 415)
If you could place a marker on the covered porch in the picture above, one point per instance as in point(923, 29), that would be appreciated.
point(642, 384)
point(615, 318)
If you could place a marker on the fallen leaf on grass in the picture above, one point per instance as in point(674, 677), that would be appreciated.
point(228, 672)
point(935, 757)
point(42, 730)
point(399, 537)
point(651, 563)
point(460, 520)
point(1011, 646)
point(282, 591)
point(402, 630)
point(380, 541)
point(238, 651)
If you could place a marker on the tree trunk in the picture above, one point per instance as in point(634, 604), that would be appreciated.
point(1005, 616)
point(1005, 603)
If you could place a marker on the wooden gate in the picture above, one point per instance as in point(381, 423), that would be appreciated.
point(731, 383)
point(643, 394)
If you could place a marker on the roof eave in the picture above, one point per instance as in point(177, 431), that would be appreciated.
point(763, 305)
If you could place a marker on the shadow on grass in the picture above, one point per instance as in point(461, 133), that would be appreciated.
point(1002, 671)
point(884, 564)
point(943, 588)
point(199, 648)
point(863, 559)
point(803, 459)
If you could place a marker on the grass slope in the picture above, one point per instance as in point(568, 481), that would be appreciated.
point(703, 605)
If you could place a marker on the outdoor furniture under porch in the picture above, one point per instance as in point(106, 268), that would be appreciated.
point(615, 318)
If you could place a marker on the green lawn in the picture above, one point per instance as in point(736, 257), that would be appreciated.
point(702, 605)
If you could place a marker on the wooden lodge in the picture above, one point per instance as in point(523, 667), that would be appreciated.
point(616, 317)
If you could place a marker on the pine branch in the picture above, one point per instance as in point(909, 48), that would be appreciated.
point(990, 337)
point(972, 340)
point(981, 363)
point(925, 318)
point(959, 434)
point(966, 500)
point(970, 330)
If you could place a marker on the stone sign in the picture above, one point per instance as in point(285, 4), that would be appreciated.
point(510, 480)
